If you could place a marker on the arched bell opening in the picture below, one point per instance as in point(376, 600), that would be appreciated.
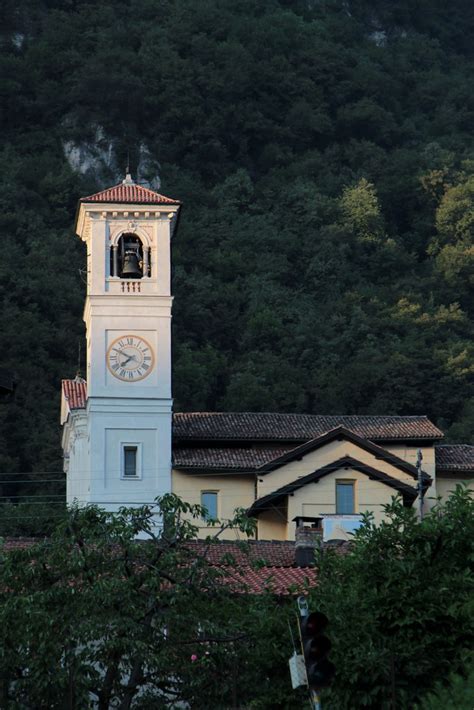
point(129, 259)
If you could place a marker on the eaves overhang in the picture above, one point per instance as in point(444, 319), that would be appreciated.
point(409, 493)
point(339, 433)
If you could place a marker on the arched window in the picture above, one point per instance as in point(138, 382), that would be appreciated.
point(129, 259)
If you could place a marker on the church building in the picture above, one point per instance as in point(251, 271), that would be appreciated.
point(123, 446)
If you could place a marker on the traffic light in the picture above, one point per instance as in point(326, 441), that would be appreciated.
point(316, 646)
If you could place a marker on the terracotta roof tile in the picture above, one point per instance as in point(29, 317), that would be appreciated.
point(455, 457)
point(243, 573)
point(223, 458)
point(130, 193)
point(270, 553)
point(298, 427)
point(75, 393)
point(19, 543)
point(275, 580)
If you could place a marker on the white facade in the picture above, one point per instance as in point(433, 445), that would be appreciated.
point(118, 449)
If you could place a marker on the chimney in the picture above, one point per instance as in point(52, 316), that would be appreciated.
point(308, 532)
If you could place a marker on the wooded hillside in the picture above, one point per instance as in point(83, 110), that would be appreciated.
point(324, 153)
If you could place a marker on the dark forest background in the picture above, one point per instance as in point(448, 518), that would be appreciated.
point(324, 153)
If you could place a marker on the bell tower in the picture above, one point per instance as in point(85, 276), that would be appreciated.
point(125, 454)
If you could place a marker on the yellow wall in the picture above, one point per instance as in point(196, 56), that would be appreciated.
point(313, 499)
point(320, 498)
point(274, 524)
point(447, 483)
point(323, 456)
point(409, 453)
point(234, 491)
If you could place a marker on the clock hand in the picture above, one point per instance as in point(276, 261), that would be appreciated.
point(130, 357)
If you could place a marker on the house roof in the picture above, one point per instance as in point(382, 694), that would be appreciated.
point(455, 457)
point(241, 426)
point(264, 459)
point(253, 426)
point(276, 496)
point(339, 433)
point(75, 392)
point(276, 580)
point(269, 553)
point(129, 193)
point(247, 441)
point(232, 459)
point(252, 567)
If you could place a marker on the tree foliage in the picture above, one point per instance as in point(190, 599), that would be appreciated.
point(324, 155)
point(94, 617)
point(401, 606)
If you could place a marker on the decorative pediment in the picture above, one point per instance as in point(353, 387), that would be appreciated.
point(409, 493)
point(339, 433)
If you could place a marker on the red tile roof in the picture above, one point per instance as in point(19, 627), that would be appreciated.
point(130, 193)
point(232, 459)
point(238, 426)
point(253, 567)
point(257, 566)
point(271, 553)
point(75, 393)
point(455, 457)
point(276, 580)
point(19, 543)
point(298, 427)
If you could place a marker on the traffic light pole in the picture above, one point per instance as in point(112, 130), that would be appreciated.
point(419, 459)
point(314, 699)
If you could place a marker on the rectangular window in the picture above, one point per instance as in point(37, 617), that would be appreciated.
point(345, 498)
point(209, 502)
point(130, 461)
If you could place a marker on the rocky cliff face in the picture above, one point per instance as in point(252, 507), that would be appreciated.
point(97, 158)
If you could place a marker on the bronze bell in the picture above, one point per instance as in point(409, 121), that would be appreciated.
point(131, 267)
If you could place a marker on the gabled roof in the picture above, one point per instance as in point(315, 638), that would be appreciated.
point(455, 457)
point(409, 493)
point(75, 393)
point(251, 426)
point(128, 192)
point(339, 433)
point(244, 426)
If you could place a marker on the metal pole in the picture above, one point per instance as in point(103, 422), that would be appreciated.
point(314, 699)
point(419, 459)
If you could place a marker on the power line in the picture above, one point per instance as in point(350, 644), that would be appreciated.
point(224, 470)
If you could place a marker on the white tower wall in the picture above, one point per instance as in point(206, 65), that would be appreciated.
point(128, 330)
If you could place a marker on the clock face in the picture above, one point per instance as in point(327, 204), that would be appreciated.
point(130, 358)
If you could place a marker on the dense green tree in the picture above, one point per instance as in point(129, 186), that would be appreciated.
point(458, 694)
point(323, 152)
point(93, 617)
point(400, 605)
